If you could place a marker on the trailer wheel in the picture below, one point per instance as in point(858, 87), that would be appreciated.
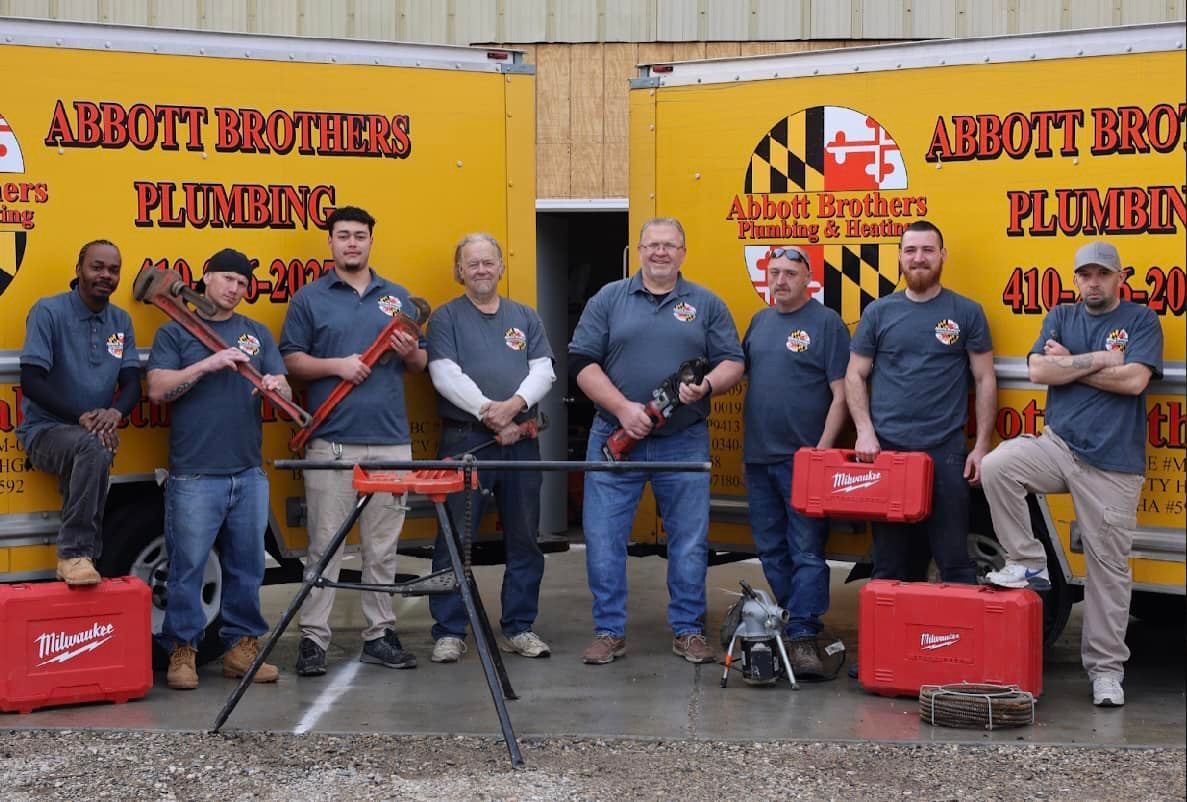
point(134, 545)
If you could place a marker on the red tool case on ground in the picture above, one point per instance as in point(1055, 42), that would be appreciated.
point(917, 633)
point(895, 487)
point(61, 645)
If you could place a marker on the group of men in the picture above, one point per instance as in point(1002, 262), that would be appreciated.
point(904, 379)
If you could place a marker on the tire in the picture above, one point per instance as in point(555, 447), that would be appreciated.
point(1159, 609)
point(134, 545)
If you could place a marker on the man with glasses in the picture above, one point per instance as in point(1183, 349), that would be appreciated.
point(796, 354)
point(632, 335)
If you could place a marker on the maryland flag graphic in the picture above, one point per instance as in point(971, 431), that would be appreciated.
point(825, 148)
point(846, 277)
point(12, 252)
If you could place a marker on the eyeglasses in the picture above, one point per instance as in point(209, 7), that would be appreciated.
point(790, 253)
point(652, 247)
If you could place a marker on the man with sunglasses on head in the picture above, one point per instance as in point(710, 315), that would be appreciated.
point(633, 335)
point(796, 354)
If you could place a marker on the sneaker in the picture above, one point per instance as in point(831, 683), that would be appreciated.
point(694, 648)
point(604, 649)
point(804, 654)
point(311, 659)
point(448, 650)
point(1016, 575)
point(1107, 692)
point(526, 644)
point(78, 571)
point(183, 668)
point(386, 650)
point(239, 658)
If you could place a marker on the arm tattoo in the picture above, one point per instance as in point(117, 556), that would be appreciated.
point(1082, 361)
point(178, 391)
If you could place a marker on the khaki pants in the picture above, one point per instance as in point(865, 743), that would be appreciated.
point(1106, 515)
point(330, 498)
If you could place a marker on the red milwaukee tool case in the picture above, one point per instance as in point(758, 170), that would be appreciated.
point(830, 482)
point(61, 645)
point(918, 633)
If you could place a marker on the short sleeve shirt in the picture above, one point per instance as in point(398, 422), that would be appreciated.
point(640, 340)
point(791, 360)
point(328, 319)
point(214, 427)
point(1106, 430)
point(919, 385)
point(493, 350)
point(83, 352)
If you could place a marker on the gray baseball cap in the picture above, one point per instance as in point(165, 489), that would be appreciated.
point(1099, 253)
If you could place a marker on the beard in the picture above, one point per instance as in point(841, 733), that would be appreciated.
point(922, 282)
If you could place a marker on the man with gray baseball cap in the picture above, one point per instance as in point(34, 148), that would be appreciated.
point(1097, 357)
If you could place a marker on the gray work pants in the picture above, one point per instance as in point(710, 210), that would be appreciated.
point(83, 467)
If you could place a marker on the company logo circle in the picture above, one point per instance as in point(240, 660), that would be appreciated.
point(248, 344)
point(798, 341)
point(389, 305)
point(948, 331)
point(515, 339)
point(115, 345)
point(684, 312)
point(1117, 340)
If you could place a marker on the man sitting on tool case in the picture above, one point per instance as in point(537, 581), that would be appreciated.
point(217, 493)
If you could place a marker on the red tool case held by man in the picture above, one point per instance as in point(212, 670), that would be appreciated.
point(918, 633)
point(895, 487)
point(68, 645)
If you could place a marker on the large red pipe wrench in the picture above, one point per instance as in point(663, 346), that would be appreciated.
point(167, 291)
point(375, 352)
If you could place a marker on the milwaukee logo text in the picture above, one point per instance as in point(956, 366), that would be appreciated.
point(848, 482)
point(59, 647)
point(929, 642)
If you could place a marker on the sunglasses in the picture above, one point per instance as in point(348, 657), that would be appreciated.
point(790, 253)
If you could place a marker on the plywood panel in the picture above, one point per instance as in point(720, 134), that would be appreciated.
point(655, 53)
point(629, 20)
point(585, 167)
point(618, 68)
point(688, 51)
point(553, 122)
point(772, 48)
point(728, 20)
point(525, 20)
point(676, 20)
point(616, 168)
point(552, 170)
point(587, 91)
point(779, 20)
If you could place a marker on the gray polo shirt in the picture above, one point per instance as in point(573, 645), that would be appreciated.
point(492, 349)
point(328, 319)
point(919, 386)
point(214, 428)
point(639, 341)
point(1106, 430)
point(791, 359)
point(83, 352)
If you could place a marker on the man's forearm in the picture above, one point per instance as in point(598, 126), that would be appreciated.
point(308, 368)
point(835, 419)
point(1057, 370)
point(597, 386)
point(1130, 379)
point(857, 398)
point(986, 410)
point(723, 377)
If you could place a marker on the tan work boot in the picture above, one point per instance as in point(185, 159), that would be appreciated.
point(604, 649)
point(183, 668)
point(239, 658)
point(694, 647)
point(78, 571)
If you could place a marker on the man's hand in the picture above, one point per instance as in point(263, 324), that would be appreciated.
point(277, 384)
point(403, 343)
point(1055, 348)
point(498, 415)
point(509, 435)
point(102, 423)
point(972, 465)
point(867, 446)
point(632, 417)
point(225, 359)
point(692, 393)
point(352, 369)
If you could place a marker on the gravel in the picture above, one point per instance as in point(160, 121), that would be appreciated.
point(71, 765)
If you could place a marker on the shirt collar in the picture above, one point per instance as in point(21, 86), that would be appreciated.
point(84, 312)
point(636, 285)
point(337, 279)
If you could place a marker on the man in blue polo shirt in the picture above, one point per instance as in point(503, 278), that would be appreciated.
point(217, 493)
point(79, 352)
point(491, 363)
point(796, 354)
point(634, 334)
point(916, 348)
point(1097, 358)
point(329, 324)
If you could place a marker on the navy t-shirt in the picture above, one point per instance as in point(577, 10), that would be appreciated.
point(491, 349)
point(919, 385)
point(639, 341)
point(1106, 430)
point(328, 319)
point(83, 352)
point(791, 359)
point(215, 425)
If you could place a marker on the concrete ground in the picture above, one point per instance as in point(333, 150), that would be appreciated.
point(650, 694)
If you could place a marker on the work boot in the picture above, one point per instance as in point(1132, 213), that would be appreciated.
point(183, 668)
point(239, 658)
point(448, 650)
point(526, 644)
point(311, 659)
point(78, 571)
point(694, 648)
point(804, 654)
point(604, 649)
point(386, 650)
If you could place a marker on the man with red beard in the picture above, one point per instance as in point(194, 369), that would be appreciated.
point(915, 348)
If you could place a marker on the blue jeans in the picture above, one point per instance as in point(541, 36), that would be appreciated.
point(902, 551)
point(517, 497)
point(790, 546)
point(227, 511)
point(609, 511)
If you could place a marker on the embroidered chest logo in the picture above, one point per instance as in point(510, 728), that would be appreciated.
point(515, 339)
point(115, 345)
point(684, 312)
point(389, 305)
point(248, 344)
point(798, 341)
point(1117, 340)
point(948, 332)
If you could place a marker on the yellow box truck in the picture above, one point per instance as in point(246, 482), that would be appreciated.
point(1020, 148)
point(176, 144)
